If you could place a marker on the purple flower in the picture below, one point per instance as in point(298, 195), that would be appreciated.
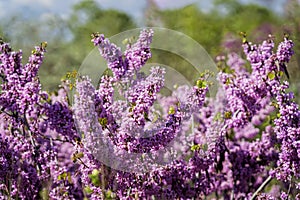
point(285, 50)
point(137, 54)
point(111, 53)
point(85, 114)
point(143, 94)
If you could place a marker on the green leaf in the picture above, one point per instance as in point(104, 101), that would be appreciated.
point(44, 45)
point(109, 194)
point(103, 121)
point(228, 115)
point(95, 172)
point(205, 147)
point(146, 117)
point(171, 110)
point(218, 116)
point(129, 40)
point(62, 176)
point(88, 190)
point(77, 155)
point(195, 147)
point(80, 155)
point(69, 177)
point(95, 177)
point(201, 83)
point(280, 73)
point(275, 104)
point(227, 81)
point(271, 75)
point(156, 117)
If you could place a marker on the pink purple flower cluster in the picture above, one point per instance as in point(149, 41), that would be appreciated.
point(228, 147)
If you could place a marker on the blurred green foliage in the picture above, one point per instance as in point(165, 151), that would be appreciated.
point(212, 29)
point(216, 30)
point(69, 40)
point(86, 18)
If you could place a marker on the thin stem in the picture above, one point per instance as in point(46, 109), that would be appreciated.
point(82, 163)
point(232, 194)
point(290, 186)
point(103, 186)
point(261, 187)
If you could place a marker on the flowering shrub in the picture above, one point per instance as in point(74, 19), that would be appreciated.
point(243, 144)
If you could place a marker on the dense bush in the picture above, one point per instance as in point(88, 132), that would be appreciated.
point(243, 144)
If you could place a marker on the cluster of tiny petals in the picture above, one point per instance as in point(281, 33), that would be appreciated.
point(106, 91)
point(288, 129)
point(145, 187)
point(287, 124)
point(189, 99)
point(236, 63)
point(285, 50)
point(64, 187)
point(111, 53)
point(84, 108)
point(20, 86)
point(263, 85)
point(159, 183)
point(248, 93)
point(266, 49)
point(161, 138)
point(229, 154)
point(141, 96)
point(30, 117)
point(252, 53)
point(196, 97)
point(86, 170)
point(243, 96)
point(60, 119)
point(260, 55)
point(144, 93)
point(265, 196)
point(16, 161)
point(137, 54)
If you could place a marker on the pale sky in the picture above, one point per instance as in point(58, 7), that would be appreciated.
point(39, 8)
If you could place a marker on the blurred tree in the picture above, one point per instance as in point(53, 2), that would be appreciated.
point(292, 27)
point(216, 30)
point(151, 15)
point(211, 29)
point(86, 18)
point(204, 28)
point(69, 39)
point(292, 24)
